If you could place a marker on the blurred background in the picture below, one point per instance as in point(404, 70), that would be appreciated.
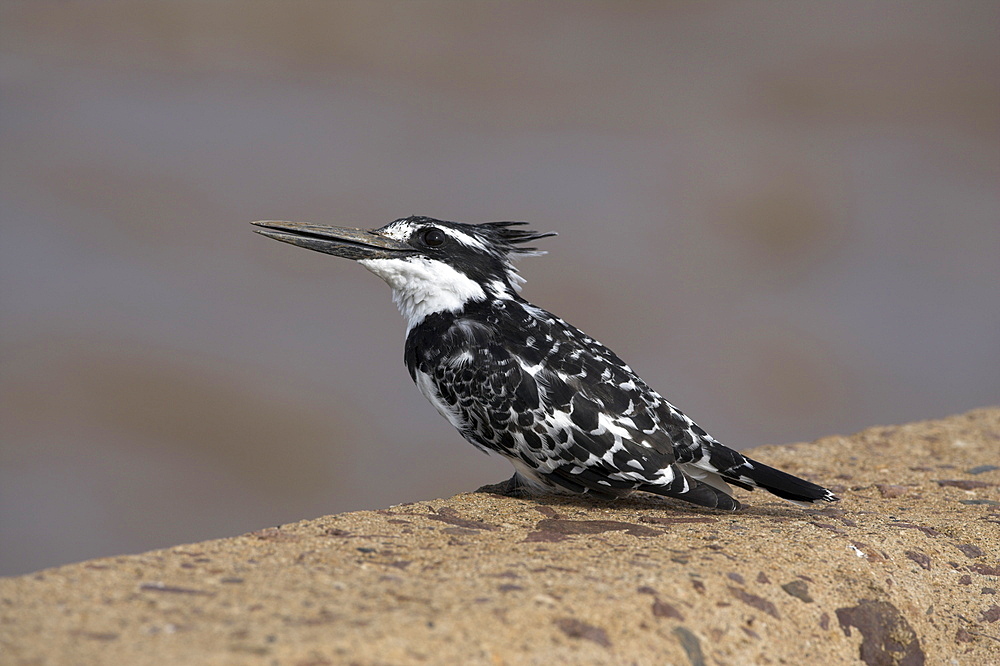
point(784, 215)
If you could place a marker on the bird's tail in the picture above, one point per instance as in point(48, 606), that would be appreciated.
point(719, 466)
point(784, 485)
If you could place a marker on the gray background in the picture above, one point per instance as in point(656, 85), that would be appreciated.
point(784, 215)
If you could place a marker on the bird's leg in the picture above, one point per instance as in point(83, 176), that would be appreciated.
point(512, 487)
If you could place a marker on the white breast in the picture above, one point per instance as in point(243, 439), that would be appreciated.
point(426, 386)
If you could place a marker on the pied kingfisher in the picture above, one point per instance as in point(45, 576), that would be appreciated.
point(517, 380)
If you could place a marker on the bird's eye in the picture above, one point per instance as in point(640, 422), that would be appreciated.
point(433, 237)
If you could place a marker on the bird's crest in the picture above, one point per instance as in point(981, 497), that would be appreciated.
point(503, 234)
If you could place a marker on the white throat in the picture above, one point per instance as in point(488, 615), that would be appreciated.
point(422, 286)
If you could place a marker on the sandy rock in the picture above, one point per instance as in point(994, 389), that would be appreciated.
point(905, 570)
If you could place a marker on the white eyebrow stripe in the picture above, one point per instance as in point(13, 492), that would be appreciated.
point(463, 238)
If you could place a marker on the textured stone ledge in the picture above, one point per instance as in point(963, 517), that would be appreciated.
point(905, 570)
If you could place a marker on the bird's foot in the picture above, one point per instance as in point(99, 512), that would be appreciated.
point(512, 487)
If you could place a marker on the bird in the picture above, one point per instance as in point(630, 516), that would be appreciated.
point(514, 379)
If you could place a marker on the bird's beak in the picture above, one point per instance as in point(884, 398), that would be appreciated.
point(338, 241)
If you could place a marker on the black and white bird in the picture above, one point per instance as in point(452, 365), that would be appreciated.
point(517, 380)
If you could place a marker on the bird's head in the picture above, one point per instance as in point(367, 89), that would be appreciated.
point(431, 265)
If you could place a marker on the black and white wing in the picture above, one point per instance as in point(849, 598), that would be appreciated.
point(566, 411)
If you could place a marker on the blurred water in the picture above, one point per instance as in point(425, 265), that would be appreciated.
point(784, 215)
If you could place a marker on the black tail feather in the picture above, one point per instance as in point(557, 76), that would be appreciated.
point(785, 485)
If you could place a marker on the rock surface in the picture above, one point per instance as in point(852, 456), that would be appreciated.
point(905, 570)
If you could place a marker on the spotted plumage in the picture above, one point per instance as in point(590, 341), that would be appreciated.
point(517, 380)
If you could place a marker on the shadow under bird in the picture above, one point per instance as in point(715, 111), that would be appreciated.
point(514, 379)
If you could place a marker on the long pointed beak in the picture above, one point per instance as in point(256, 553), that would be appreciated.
point(338, 241)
